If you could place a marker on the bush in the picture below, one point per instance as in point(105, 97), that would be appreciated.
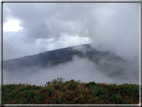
point(50, 91)
point(79, 91)
point(72, 85)
point(43, 90)
point(28, 96)
point(60, 80)
point(55, 81)
point(115, 98)
point(9, 88)
point(57, 87)
point(48, 83)
point(39, 98)
point(63, 89)
point(130, 89)
point(59, 101)
point(100, 91)
point(15, 94)
point(91, 85)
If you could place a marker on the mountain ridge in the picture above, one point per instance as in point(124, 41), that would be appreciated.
point(47, 51)
point(55, 57)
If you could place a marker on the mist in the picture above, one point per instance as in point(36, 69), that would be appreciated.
point(40, 27)
point(81, 69)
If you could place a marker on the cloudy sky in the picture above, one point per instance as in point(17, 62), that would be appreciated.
point(30, 28)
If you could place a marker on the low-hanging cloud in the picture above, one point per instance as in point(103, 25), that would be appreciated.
point(78, 69)
point(112, 27)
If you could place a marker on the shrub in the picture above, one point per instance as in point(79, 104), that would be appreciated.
point(72, 85)
point(59, 101)
point(60, 80)
point(35, 87)
point(43, 90)
point(67, 82)
point(26, 88)
point(100, 91)
point(48, 83)
point(57, 87)
point(39, 98)
point(130, 89)
point(63, 89)
point(115, 98)
point(91, 85)
point(15, 94)
point(79, 91)
point(50, 91)
point(54, 81)
point(28, 96)
point(113, 87)
point(9, 88)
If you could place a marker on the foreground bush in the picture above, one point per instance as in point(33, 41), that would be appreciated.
point(70, 92)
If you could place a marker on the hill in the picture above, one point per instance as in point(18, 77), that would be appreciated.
point(55, 57)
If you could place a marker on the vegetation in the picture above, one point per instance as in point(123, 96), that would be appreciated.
point(70, 92)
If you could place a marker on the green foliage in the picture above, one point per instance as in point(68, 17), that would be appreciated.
point(50, 91)
point(71, 92)
point(39, 98)
point(55, 81)
point(91, 85)
point(57, 87)
point(60, 101)
point(115, 98)
point(29, 95)
point(63, 89)
point(79, 91)
point(15, 94)
point(9, 88)
point(60, 80)
point(129, 89)
point(67, 82)
point(43, 90)
point(72, 85)
point(48, 83)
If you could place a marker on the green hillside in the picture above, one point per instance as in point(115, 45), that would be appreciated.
point(70, 92)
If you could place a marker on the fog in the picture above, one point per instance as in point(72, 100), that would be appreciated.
point(31, 28)
point(78, 69)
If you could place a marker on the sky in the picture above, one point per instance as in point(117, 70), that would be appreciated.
point(31, 28)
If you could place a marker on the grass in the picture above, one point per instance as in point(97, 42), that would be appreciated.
point(70, 92)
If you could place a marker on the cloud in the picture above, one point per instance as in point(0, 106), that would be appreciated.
point(12, 25)
point(78, 69)
point(120, 32)
point(47, 26)
point(110, 26)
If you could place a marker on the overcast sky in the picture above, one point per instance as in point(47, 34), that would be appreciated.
point(31, 28)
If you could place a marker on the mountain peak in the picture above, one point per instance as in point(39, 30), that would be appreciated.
point(55, 57)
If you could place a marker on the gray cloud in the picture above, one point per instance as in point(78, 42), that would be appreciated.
point(77, 69)
point(120, 31)
point(112, 26)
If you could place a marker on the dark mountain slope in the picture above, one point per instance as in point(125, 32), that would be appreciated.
point(55, 57)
